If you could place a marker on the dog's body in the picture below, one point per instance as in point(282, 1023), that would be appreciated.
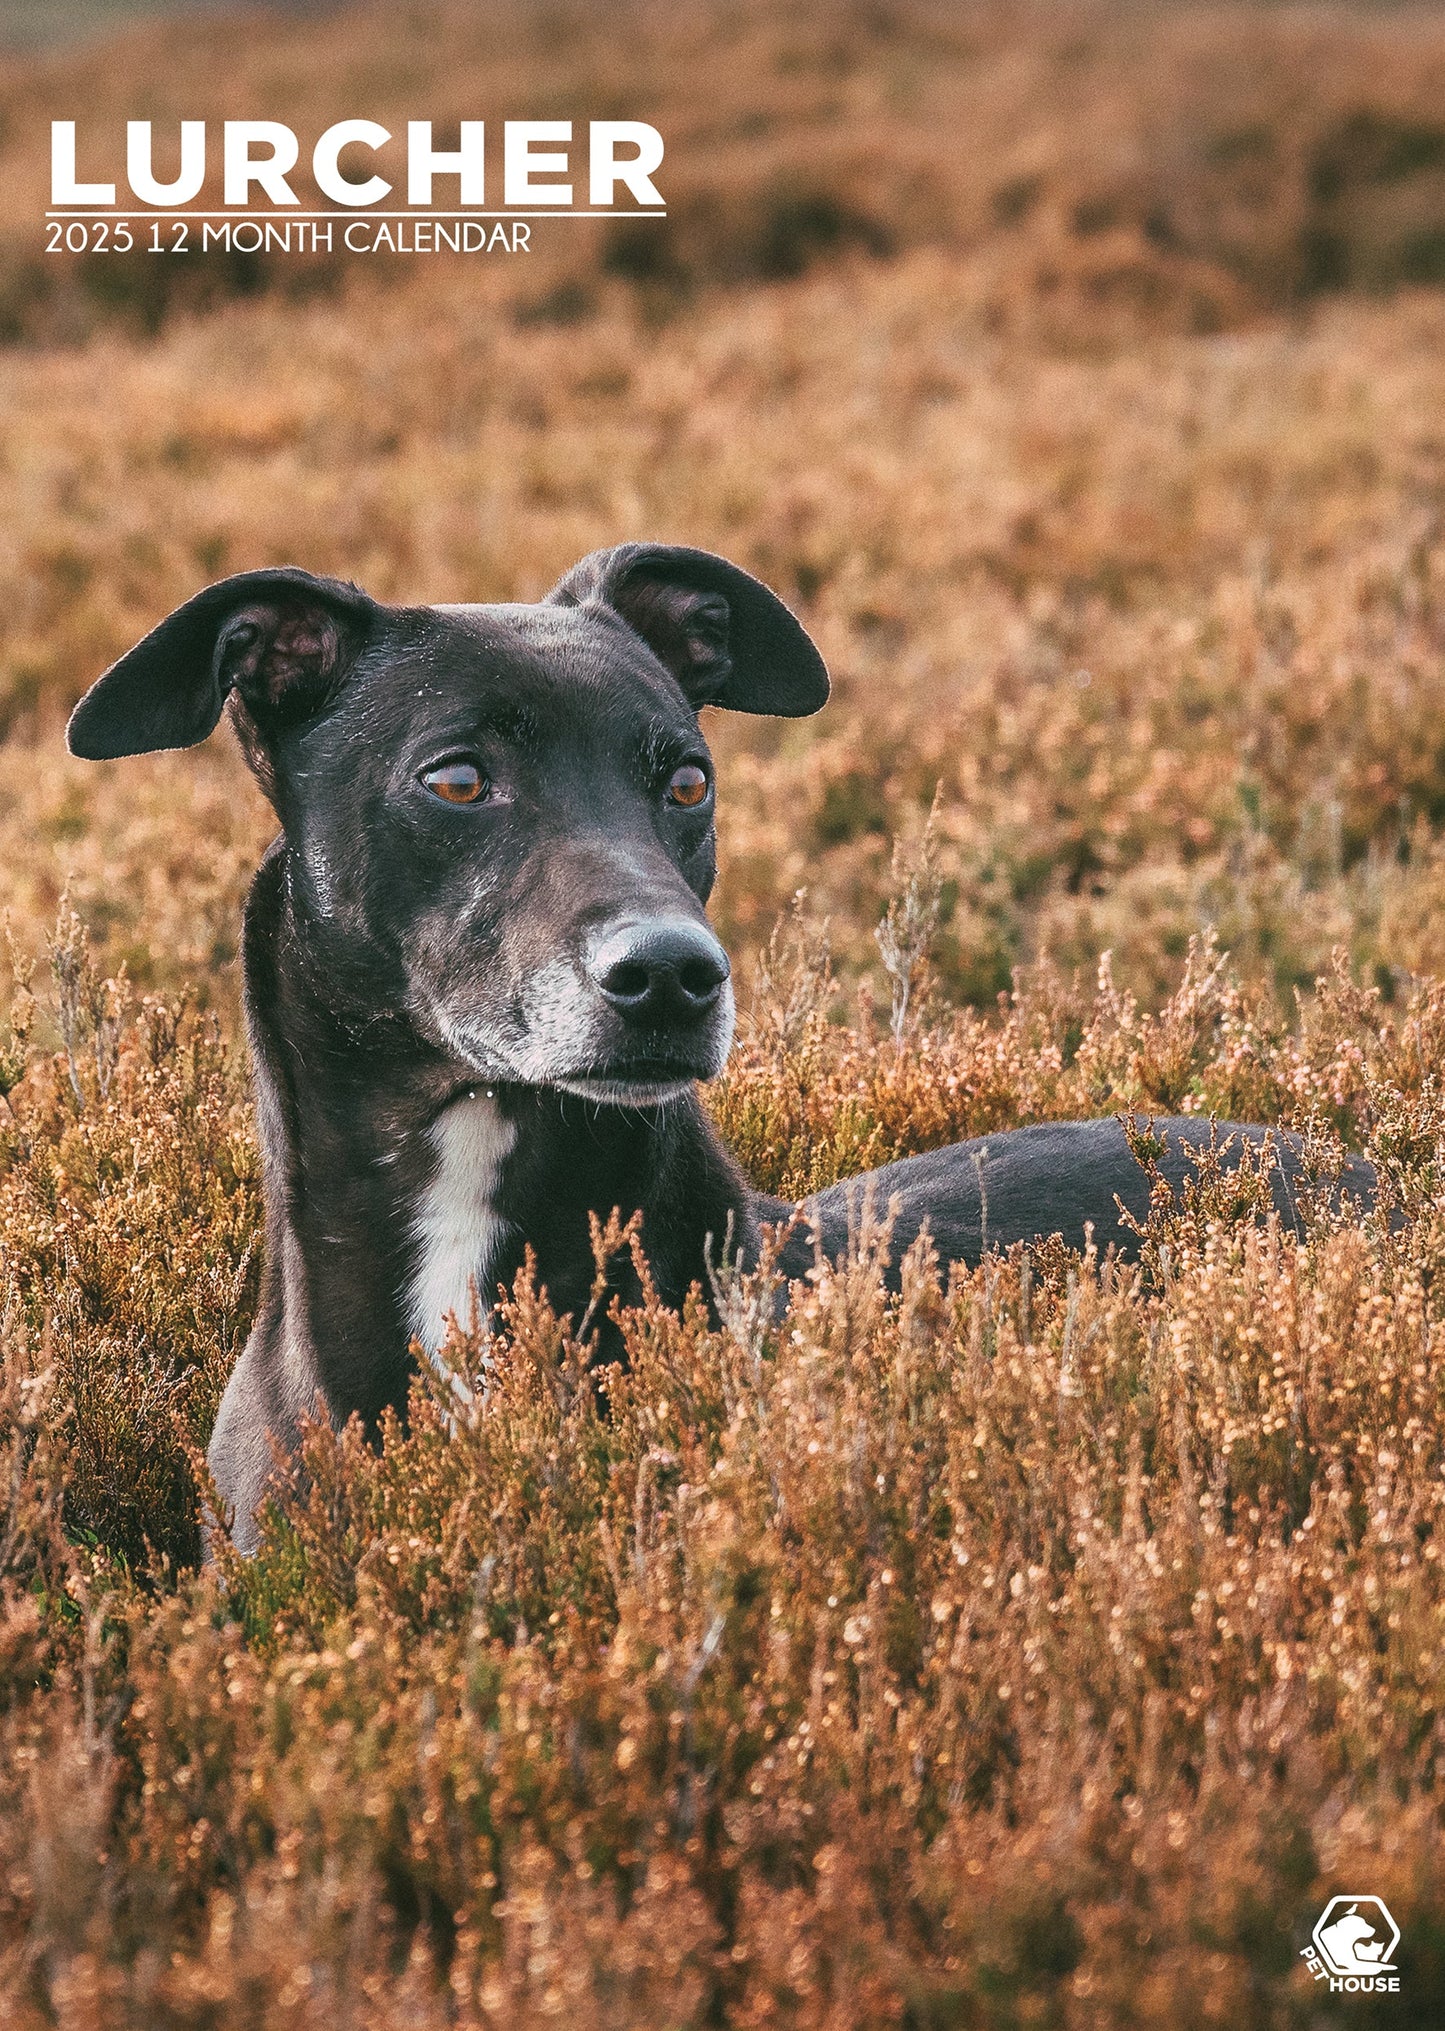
point(480, 982)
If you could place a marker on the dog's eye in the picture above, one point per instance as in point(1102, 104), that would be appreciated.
point(687, 786)
point(456, 782)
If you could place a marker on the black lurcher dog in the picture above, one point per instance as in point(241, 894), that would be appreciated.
point(480, 981)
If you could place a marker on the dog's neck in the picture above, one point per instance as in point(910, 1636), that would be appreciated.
point(394, 1193)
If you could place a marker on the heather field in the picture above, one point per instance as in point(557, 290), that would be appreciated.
point(1043, 1647)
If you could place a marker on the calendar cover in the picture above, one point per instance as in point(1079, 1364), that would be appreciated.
point(722, 847)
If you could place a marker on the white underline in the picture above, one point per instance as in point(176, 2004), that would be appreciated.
point(280, 217)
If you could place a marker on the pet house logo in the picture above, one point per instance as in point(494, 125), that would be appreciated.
point(238, 187)
point(1353, 1947)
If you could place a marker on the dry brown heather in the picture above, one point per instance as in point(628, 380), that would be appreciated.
point(1042, 1648)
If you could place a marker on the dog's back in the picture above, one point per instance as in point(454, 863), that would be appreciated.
point(1076, 1179)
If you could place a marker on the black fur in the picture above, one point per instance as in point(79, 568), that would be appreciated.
point(546, 945)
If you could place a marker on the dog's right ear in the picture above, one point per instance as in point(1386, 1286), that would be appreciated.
point(282, 639)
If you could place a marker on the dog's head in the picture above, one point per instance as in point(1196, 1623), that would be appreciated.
point(499, 818)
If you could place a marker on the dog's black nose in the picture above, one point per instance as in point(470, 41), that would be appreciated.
point(662, 969)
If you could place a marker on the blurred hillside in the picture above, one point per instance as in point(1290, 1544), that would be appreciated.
point(48, 24)
point(1091, 168)
point(1077, 371)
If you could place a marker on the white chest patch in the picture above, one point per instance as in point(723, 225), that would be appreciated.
point(456, 1221)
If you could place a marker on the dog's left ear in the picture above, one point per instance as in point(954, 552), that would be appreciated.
point(726, 639)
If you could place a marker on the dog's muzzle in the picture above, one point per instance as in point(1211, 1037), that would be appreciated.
point(643, 1010)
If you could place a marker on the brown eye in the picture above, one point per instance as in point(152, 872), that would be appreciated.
point(456, 782)
point(687, 786)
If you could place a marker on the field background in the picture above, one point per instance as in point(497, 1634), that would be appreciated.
point(1048, 1651)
